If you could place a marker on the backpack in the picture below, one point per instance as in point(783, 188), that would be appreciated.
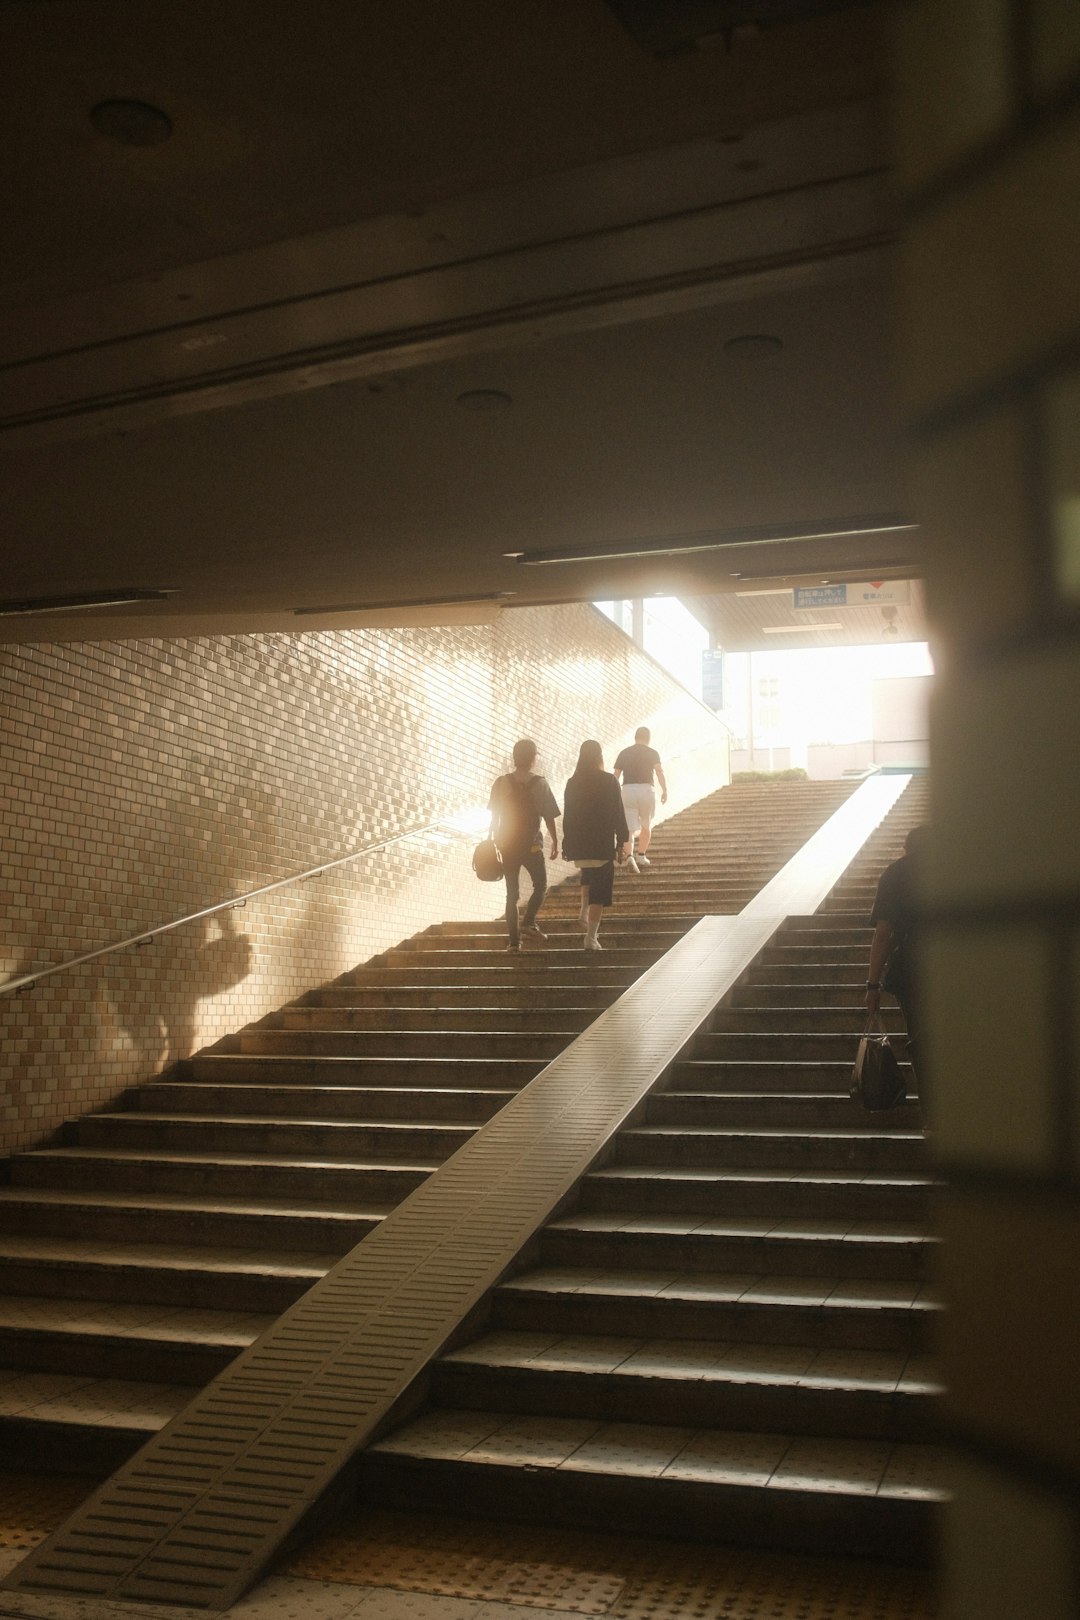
point(516, 812)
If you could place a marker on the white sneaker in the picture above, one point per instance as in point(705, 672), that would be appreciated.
point(632, 863)
point(593, 944)
point(643, 860)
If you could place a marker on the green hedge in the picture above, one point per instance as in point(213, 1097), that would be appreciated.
point(794, 773)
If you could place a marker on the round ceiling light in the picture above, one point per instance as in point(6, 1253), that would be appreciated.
point(131, 123)
point(753, 346)
point(485, 399)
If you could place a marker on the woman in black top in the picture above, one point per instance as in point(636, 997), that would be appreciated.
point(594, 829)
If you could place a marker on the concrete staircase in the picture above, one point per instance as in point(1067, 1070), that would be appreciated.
point(154, 1241)
point(728, 1336)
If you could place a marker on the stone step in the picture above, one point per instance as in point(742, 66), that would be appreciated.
point(528, 970)
point(622, 932)
point(803, 1110)
point(401, 1104)
point(754, 995)
point(243, 1223)
point(219, 1174)
point(771, 1148)
point(161, 1344)
point(482, 1073)
point(803, 1247)
point(779, 1077)
point(532, 1016)
point(854, 1498)
point(448, 1043)
point(799, 955)
point(638, 956)
point(821, 1195)
point(797, 1389)
point(55, 1423)
point(812, 921)
point(449, 994)
point(384, 1142)
point(850, 1313)
point(808, 972)
point(78, 1269)
point(799, 1045)
point(621, 921)
point(802, 1020)
point(825, 937)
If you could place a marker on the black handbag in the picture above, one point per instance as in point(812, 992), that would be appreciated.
point(487, 862)
point(876, 1080)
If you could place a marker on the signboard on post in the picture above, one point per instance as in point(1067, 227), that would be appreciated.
point(712, 678)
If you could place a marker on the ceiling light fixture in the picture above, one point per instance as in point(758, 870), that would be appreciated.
point(856, 570)
point(683, 545)
point(406, 602)
point(753, 345)
point(796, 629)
point(82, 601)
point(484, 399)
point(131, 123)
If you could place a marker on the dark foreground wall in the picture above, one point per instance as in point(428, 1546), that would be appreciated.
point(142, 780)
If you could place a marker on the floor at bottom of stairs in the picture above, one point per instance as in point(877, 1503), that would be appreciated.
point(398, 1566)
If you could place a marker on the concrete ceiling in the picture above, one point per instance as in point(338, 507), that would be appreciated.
point(409, 287)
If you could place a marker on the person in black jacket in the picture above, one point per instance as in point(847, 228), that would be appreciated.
point(594, 831)
point(894, 950)
point(518, 804)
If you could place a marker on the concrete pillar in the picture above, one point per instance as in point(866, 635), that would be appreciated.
point(989, 155)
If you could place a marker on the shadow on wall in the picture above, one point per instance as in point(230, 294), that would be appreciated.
point(150, 998)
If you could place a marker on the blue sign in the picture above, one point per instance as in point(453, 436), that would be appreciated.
point(712, 678)
point(820, 596)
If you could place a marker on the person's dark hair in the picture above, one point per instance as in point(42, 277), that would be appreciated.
point(524, 753)
point(916, 839)
point(590, 757)
point(642, 734)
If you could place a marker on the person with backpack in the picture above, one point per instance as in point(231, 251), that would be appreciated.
point(519, 802)
point(594, 832)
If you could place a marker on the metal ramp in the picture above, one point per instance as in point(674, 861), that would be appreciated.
point(198, 1515)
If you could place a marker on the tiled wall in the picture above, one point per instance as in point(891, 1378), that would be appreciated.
point(989, 92)
point(142, 780)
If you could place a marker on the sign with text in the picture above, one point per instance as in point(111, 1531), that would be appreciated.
point(868, 593)
point(712, 679)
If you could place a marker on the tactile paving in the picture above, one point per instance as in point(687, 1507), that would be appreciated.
point(552, 1568)
point(202, 1509)
point(589, 1572)
point(33, 1504)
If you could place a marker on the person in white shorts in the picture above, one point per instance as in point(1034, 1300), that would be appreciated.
point(637, 766)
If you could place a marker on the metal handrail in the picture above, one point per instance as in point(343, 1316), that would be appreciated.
point(28, 980)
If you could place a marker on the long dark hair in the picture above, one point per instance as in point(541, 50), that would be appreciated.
point(590, 757)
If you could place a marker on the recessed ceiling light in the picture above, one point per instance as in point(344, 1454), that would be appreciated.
point(81, 601)
point(678, 545)
point(484, 399)
point(514, 556)
point(753, 345)
point(796, 629)
point(131, 123)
